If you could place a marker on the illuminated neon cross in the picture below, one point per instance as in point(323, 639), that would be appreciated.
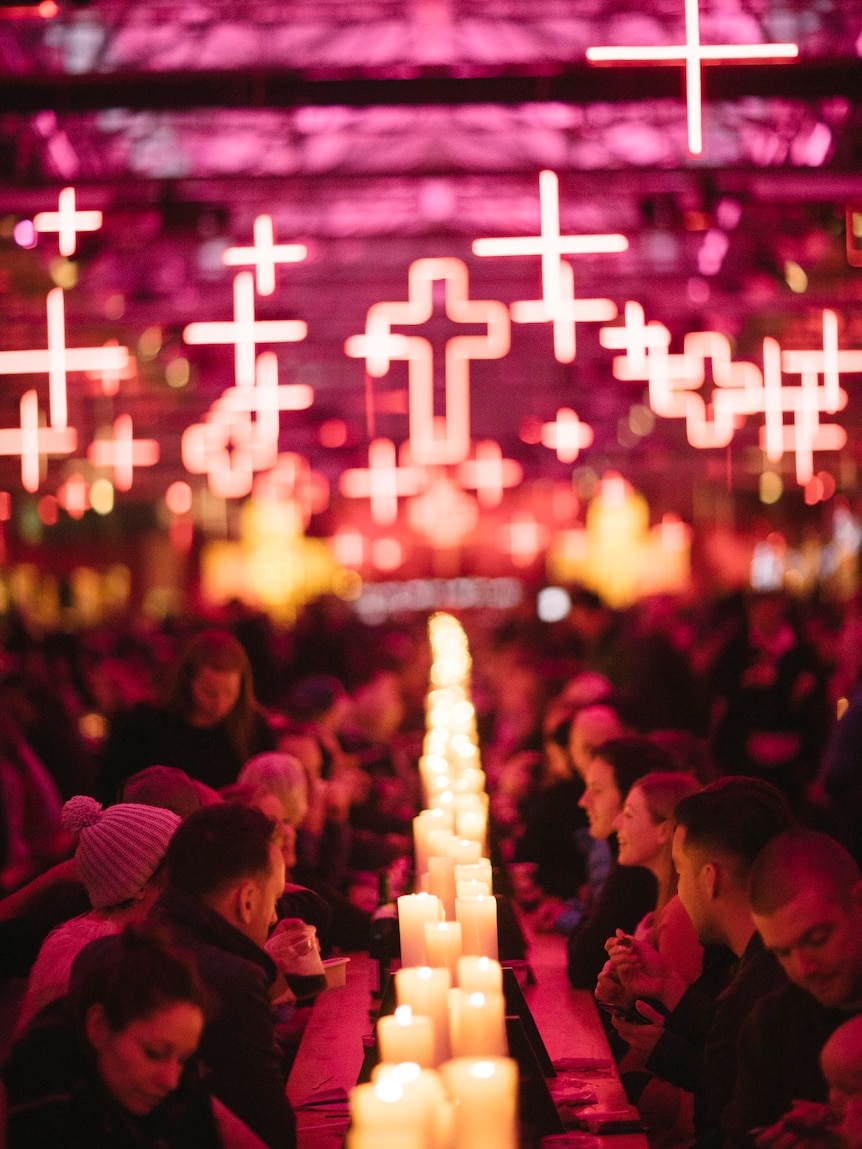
point(489, 474)
point(828, 362)
point(57, 359)
point(110, 379)
point(267, 398)
point(245, 331)
point(636, 338)
point(692, 54)
point(805, 434)
point(124, 452)
point(67, 221)
point(74, 496)
point(264, 255)
point(225, 450)
point(558, 304)
point(31, 442)
point(293, 478)
point(434, 441)
point(567, 435)
point(382, 481)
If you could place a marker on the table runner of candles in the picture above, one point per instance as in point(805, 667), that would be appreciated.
point(444, 1080)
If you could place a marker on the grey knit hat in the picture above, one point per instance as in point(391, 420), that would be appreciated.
point(118, 849)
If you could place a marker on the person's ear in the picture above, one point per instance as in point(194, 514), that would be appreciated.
point(664, 831)
point(247, 896)
point(711, 878)
point(96, 1026)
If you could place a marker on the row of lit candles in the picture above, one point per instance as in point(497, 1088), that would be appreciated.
point(444, 1080)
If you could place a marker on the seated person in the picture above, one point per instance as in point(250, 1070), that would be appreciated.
point(112, 1063)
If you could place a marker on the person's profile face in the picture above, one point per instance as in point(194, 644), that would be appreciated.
point(641, 839)
point(270, 887)
point(142, 1064)
point(601, 798)
point(819, 944)
point(214, 695)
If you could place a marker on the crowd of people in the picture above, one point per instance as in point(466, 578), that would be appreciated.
point(193, 816)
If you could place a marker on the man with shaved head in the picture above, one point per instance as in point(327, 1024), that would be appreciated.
point(806, 899)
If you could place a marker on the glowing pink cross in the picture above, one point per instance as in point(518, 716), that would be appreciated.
point(558, 304)
point(32, 442)
point(267, 398)
point(522, 539)
point(67, 222)
point(57, 359)
point(488, 473)
point(226, 451)
point(110, 378)
point(567, 435)
point(293, 478)
point(636, 338)
point(264, 255)
point(124, 452)
point(692, 54)
point(805, 434)
point(245, 331)
point(382, 481)
point(74, 496)
point(828, 362)
point(380, 345)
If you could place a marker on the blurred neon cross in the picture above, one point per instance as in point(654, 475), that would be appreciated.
point(566, 435)
point(434, 441)
point(245, 331)
point(636, 338)
point(558, 304)
point(489, 474)
point(382, 481)
point(57, 359)
point(264, 254)
point(67, 221)
point(692, 54)
point(31, 442)
point(124, 452)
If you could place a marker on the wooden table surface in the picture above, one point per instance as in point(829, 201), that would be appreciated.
point(331, 1052)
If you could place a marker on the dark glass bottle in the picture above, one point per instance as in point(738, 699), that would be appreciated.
point(384, 944)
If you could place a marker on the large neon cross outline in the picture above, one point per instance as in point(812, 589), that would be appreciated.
point(692, 54)
point(380, 345)
point(558, 304)
point(56, 360)
point(489, 474)
point(245, 331)
point(382, 482)
point(264, 254)
point(67, 221)
point(124, 452)
point(31, 441)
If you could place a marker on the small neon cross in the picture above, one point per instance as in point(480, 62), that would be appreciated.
point(379, 345)
point(110, 379)
point(293, 478)
point(124, 452)
point(489, 474)
point(32, 442)
point(382, 481)
point(74, 496)
point(692, 54)
point(264, 255)
point(557, 304)
point(67, 221)
point(636, 338)
point(567, 435)
point(522, 539)
point(244, 331)
point(57, 359)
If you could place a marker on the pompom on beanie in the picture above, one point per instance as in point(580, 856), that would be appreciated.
point(118, 849)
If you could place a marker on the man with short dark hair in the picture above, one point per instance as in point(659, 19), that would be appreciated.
point(806, 898)
point(719, 832)
point(225, 874)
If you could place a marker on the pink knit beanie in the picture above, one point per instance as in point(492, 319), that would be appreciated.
point(118, 848)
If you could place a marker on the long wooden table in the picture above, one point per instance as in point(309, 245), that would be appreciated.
point(332, 1051)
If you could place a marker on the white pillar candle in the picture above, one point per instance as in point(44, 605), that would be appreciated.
point(477, 1024)
point(479, 973)
point(441, 882)
point(414, 910)
point(423, 824)
point(383, 1109)
point(405, 1036)
point(486, 1101)
point(471, 889)
point(426, 991)
point(425, 1089)
point(478, 918)
point(479, 871)
point(443, 944)
point(465, 851)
